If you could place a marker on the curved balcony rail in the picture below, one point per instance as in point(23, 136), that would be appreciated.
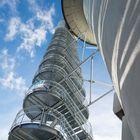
point(57, 73)
point(61, 61)
point(43, 116)
point(74, 61)
point(65, 45)
point(59, 91)
point(56, 67)
point(68, 101)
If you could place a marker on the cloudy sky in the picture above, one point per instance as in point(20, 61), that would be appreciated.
point(26, 28)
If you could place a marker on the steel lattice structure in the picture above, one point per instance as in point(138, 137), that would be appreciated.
point(54, 105)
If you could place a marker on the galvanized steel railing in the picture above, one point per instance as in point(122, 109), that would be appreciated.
point(64, 80)
point(38, 113)
point(60, 91)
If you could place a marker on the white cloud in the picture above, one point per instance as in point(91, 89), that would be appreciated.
point(30, 34)
point(7, 63)
point(13, 28)
point(10, 79)
point(12, 4)
point(31, 38)
point(6, 120)
point(13, 82)
point(100, 137)
point(46, 18)
point(4, 135)
point(104, 122)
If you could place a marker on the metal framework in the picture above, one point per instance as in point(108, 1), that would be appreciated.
point(91, 81)
point(55, 106)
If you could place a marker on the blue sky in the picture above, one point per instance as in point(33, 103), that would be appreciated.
point(26, 28)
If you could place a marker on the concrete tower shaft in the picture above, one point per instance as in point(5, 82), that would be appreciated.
point(115, 27)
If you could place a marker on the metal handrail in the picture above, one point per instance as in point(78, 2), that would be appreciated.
point(63, 61)
point(71, 105)
point(71, 82)
point(61, 125)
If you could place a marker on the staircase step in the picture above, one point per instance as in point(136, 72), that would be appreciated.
point(63, 111)
point(77, 129)
point(82, 135)
point(62, 106)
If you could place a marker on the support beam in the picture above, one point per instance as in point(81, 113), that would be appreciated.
point(91, 77)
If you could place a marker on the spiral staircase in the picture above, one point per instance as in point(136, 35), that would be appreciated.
point(54, 106)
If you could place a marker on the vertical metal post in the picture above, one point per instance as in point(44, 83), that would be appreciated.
point(22, 119)
point(43, 117)
point(91, 77)
point(83, 51)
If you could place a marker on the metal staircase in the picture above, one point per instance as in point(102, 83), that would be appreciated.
point(53, 108)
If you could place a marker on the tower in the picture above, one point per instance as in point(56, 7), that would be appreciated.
point(53, 107)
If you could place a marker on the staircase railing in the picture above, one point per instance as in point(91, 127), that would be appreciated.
point(68, 101)
point(61, 124)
